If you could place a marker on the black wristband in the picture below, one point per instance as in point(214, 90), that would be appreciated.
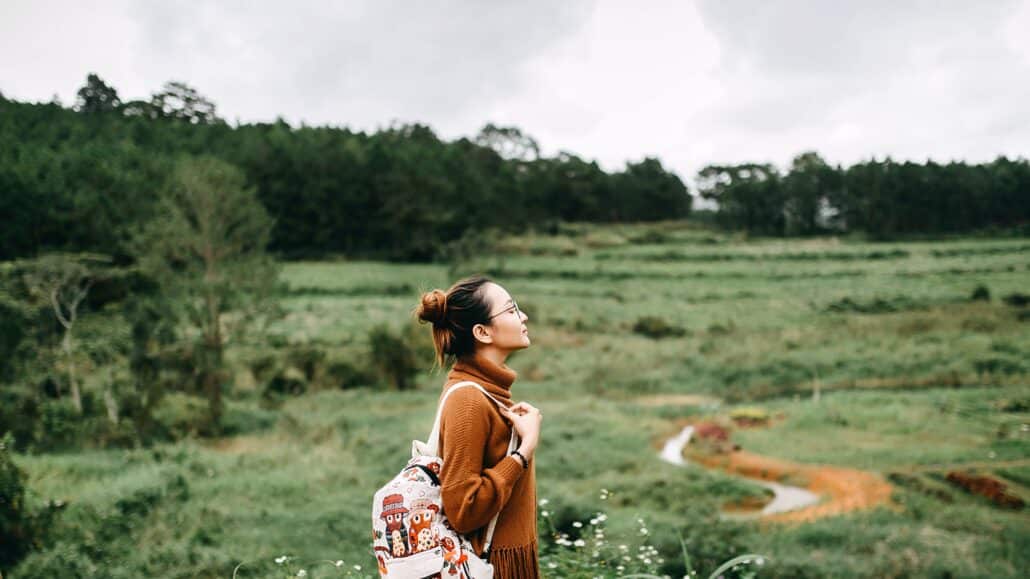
point(525, 463)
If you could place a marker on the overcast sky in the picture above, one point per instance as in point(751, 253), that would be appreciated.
point(692, 82)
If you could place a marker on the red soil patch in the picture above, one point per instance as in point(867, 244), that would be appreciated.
point(847, 489)
point(988, 487)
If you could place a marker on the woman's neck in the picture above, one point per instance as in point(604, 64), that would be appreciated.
point(495, 355)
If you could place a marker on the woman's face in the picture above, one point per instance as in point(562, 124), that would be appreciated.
point(507, 322)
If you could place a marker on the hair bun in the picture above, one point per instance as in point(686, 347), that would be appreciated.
point(434, 307)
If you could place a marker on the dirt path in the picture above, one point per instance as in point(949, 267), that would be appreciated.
point(845, 489)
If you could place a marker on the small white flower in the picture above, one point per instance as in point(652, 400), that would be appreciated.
point(647, 561)
point(280, 560)
point(623, 548)
point(577, 524)
point(620, 568)
point(339, 563)
point(302, 573)
point(543, 502)
point(357, 567)
point(643, 531)
point(552, 565)
point(545, 513)
point(760, 561)
point(579, 543)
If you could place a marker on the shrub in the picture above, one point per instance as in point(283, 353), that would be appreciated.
point(392, 357)
point(16, 525)
point(288, 381)
point(1017, 300)
point(344, 374)
point(657, 328)
point(876, 305)
point(981, 294)
point(181, 415)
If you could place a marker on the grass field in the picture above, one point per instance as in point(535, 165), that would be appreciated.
point(915, 380)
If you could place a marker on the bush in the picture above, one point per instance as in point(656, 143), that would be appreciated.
point(876, 305)
point(1017, 300)
point(392, 357)
point(657, 328)
point(182, 415)
point(981, 294)
point(288, 381)
point(344, 374)
point(16, 525)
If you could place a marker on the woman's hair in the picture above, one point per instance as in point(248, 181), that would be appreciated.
point(453, 314)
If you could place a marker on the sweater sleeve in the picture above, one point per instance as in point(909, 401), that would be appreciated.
point(471, 494)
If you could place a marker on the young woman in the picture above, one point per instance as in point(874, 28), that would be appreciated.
point(478, 324)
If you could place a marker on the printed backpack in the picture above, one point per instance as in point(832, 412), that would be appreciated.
point(411, 536)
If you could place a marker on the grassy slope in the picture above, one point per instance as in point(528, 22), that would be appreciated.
point(757, 330)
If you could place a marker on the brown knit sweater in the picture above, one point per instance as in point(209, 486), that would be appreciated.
point(479, 479)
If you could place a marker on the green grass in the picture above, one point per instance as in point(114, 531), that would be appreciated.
point(902, 391)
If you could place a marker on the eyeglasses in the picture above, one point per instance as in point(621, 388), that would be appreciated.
point(514, 307)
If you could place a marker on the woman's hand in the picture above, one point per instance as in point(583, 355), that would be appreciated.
point(525, 419)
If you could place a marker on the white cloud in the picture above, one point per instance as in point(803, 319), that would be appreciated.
point(690, 82)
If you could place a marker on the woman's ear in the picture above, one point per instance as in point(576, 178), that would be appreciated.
point(482, 334)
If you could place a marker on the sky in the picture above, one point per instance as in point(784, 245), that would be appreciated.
point(690, 82)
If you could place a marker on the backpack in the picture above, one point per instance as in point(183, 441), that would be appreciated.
point(411, 536)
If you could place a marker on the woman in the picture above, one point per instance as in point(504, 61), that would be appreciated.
point(478, 324)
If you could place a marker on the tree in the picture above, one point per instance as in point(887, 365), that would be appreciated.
point(508, 142)
point(645, 191)
point(749, 196)
point(207, 250)
point(807, 189)
point(64, 281)
point(178, 100)
point(97, 96)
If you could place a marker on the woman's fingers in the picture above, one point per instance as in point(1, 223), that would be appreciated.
point(523, 407)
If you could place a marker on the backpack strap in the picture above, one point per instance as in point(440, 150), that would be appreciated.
point(434, 448)
point(433, 443)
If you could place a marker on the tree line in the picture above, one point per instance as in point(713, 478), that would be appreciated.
point(81, 177)
point(884, 199)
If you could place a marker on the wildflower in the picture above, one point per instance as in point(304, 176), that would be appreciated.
point(280, 560)
point(552, 565)
point(543, 502)
point(339, 563)
point(357, 567)
point(643, 531)
point(545, 513)
point(580, 543)
point(577, 524)
point(623, 548)
point(302, 573)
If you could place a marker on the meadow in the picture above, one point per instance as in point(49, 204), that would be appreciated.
point(909, 360)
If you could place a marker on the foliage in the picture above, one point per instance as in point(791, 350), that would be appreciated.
point(14, 527)
point(392, 357)
point(881, 198)
point(657, 327)
point(207, 251)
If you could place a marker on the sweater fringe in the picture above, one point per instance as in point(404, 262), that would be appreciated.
point(515, 562)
